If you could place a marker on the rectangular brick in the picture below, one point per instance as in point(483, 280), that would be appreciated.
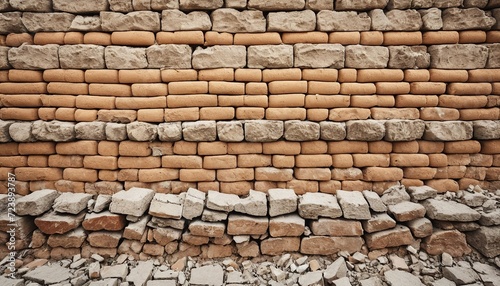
point(14, 161)
point(313, 147)
point(25, 75)
point(180, 37)
point(10, 149)
point(423, 173)
point(151, 115)
point(357, 88)
point(141, 102)
point(371, 160)
point(69, 161)
point(182, 114)
point(139, 75)
point(219, 162)
point(38, 174)
point(322, 160)
point(458, 159)
point(285, 87)
point(342, 161)
point(254, 160)
point(221, 75)
point(345, 114)
point(110, 89)
point(89, 102)
point(244, 148)
point(438, 160)
point(316, 174)
point(380, 75)
point(379, 113)
point(248, 75)
point(221, 87)
point(83, 147)
point(250, 113)
point(23, 88)
point(273, 174)
point(439, 75)
point(286, 113)
point(379, 147)
point(212, 148)
point(463, 101)
point(101, 76)
point(196, 175)
point(427, 88)
point(24, 114)
point(108, 175)
point(131, 148)
point(235, 174)
point(347, 147)
point(100, 162)
point(405, 147)
point(38, 161)
point(480, 160)
point(65, 114)
point(67, 88)
point(80, 175)
point(281, 148)
point(158, 175)
point(35, 148)
point(188, 87)
point(182, 162)
point(416, 75)
point(377, 174)
point(178, 75)
point(191, 100)
point(185, 148)
point(21, 100)
point(357, 185)
point(321, 87)
point(217, 113)
point(480, 114)
point(462, 147)
point(58, 100)
point(286, 100)
point(429, 147)
point(343, 174)
point(256, 88)
point(439, 113)
point(283, 161)
point(139, 162)
point(128, 175)
point(149, 89)
point(409, 160)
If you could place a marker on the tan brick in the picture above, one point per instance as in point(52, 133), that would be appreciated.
point(469, 88)
point(321, 87)
point(45, 38)
point(344, 38)
point(16, 40)
point(219, 162)
point(9, 149)
point(326, 101)
point(42, 161)
point(462, 101)
point(188, 87)
point(346, 147)
point(422, 173)
point(196, 175)
point(215, 38)
point(248, 75)
point(455, 172)
point(73, 38)
point(356, 185)
point(158, 175)
point(128, 175)
point(218, 75)
point(89, 102)
point(273, 174)
point(380, 75)
point(416, 75)
point(191, 100)
point(286, 113)
point(180, 37)
point(83, 115)
point(82, 147)
point(151, 115)
point(281, 148)
point(97, 38)
point(217, 113)
point(371, 160)
point(283, 161)
point(21, 100)
point(237, 188)
point(101, 76)
point(379, 113)
point(212, 148)
point(292, 74)
point(458, 159)
point(133, 38)
point(244, 148)
point(65, 114)
point(35, 148)
point(131, 148)
point(284, 87)
point(182, 114)
point(462, 147)
point(80, 175)
point(110, 89)
point(303, 186)
point(250, 113)
point(243, 100)
point(149, 89)
point(405, 147)
point(372, 38)
point(108, 175)
point(364, 101)
point(330, 187)
point(443, 185)
point(185, 148)
point(479, 75)
point(47, 114)
point(440, 37)
point(320, 75)
point(305, 37)
point(412, 183)
point(235, 175)
point(479, 160)
point(182, 162)
point(427, 88)
point(392, 87)
point(100, 162)
point(70, 161)
point(28, 88)
point(380, 147)
point(343, 174)
point(314, 147)
point(480, 114)
point(429, 147)
point(141, 102)
point(409, 160)
point(248, 39)
point(342, 161)
point(378, 174)
point(254, 160)
point(322, 160)
point(179, 75)
point(139, 162)
point(25, 75)
point(448, 75)
point(317, 114)
point(286, 100)
point(14, 161)
point(471, 37)
point(221, 87)
point(402, 38)
point(357, 88)
point(67, 88)
point(439, 113)
point(345, 114)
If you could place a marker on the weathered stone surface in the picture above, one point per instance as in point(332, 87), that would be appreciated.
point(336, 270)
point(86, 23)
point(420, 227)
point(221, 202)
point(134, 202)
point(11, 282)
point(399, 4)
point(47, 22)
point(141, 131)
point(207, 275)
point(21, 132)
point(312, 278)
point(193, 203)
point(319, 56)
point(270, 56)
point(36, 203)
point(81, 56)
point(354, 205)
point(336, 227)
point(276, 5)
point(395, 20)
point(45, 274)
point(76, 7)
point(254, 204)
point(296, 21)
point(10, 22)
point(104, 221)
point(133, 21)
point(486, 240)
point(332, 131)
point(420, 193)
point(123, 6)
point(4, 131)
point(53, 131)
point(91, 130)
point(281, 201)
point(460, 275)
point(23, 225)
point(326, 245)
point(169, 56)
point(213, 216)
point(450, 211)
point(231, 131)
point(31, 6)
point(279, 245)
point(474, 199)
point(486, 129)
point(135, 230)
point(166, 206)
point(167, 222)
point(490, 218)
point(365, 130)
point(408, 57)
point(199, 131)
point(400, 235)
point(120, 57)
point(246, 225)
point(210, 229)
point(71, 203)
point(115, 271)
point(431, 19)
point(51, 222)
point(450, 241)
point(116, 131)
point(494, 53)
point(375, 202)
point(463, 56)
point(263, 130)
point(373, 57)
point(313, 205)
point(398, 277)
point(4, 57)
point(357, 5)
point(329, 21)
point(233, 21)
point(200, 4)
point(220, 57)
point(466, 19)
point(175, 20)
point(165, 235)
point(34, 57)
point(378, 222)
point(140, 274)
point(297, 130)
point(72, 239)
point(286, 225)
point(448, 130)
point(170, 131)
point(406, 211)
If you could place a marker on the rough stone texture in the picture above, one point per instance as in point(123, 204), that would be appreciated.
point(33, 57)
point(450, 211)
point(21, 132)
point(116, 132)
point(141, 131)
point(140, 274)
point(264, 5)
point(450, 241)
point(72, 239)
point(375, 202)
point(286, 225)
point(365, 130)
point(199, 131)
point(336, 270)
point(400, 235)
point(395, 195)
point(297, 21)
point(209, 229)
point(494, 54)
point(313, 205)
point(193, 203)
point(486, 240)
point(76, 6)
point(296, 130)
point(163, 236)
point(311, 278)
point(86, 23)
point(231, 131)
point(71, 203)
point(254, 204)
point(420, 193)
point(448, 130)
point(460, 275)
point(31, 6)
point(135, 230)
point(332, 131)
point(354, 205)
point(47, 22)
point(52, 223)
point(326, 245)
point(408, 57)
point(219, 57)
point(466, 19)
point(134, 202)
point(233, 21)
point(169, 56)
point(336, 227)
point(207, 275)
point(90, 131)
point(246, 225)
point(221, 202)
point(463, 56)
point(213, 216)
point(406, 211)
point(166, 206)
point(329, 21)
point(395, 20)
point(398, 277)
point(115, 271)
point(491, 218)
point(53, 131)
point(170, 131)
point(263, 130)
point(421, 227)
point(200, 4)
point(281, 201)
point(378, 222)
point(357, 5)
point(104, 221)
point(431, 19)
point(270, 56)
point(318, 56)
point(175, 20)
point(36, 203)
point(120, 57)
point(4, 130)
point(374, 57)
point(45, 274)
point(4, 58)
point(486, 129)
point(134, 21)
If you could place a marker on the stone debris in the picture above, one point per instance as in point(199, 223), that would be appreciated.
point(132, 202)
point(313, 205)
point(281, 201)
point(449, 211)
point(354, 205)
point(71, 203)
point(36, 203)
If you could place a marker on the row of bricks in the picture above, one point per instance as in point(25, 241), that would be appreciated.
point(140, 77)
point(143, 38)
point(158, 115)
point(242, 187)
point(310, 150)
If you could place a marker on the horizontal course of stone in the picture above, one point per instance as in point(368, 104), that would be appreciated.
point(240, 95)
point(142, 223)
